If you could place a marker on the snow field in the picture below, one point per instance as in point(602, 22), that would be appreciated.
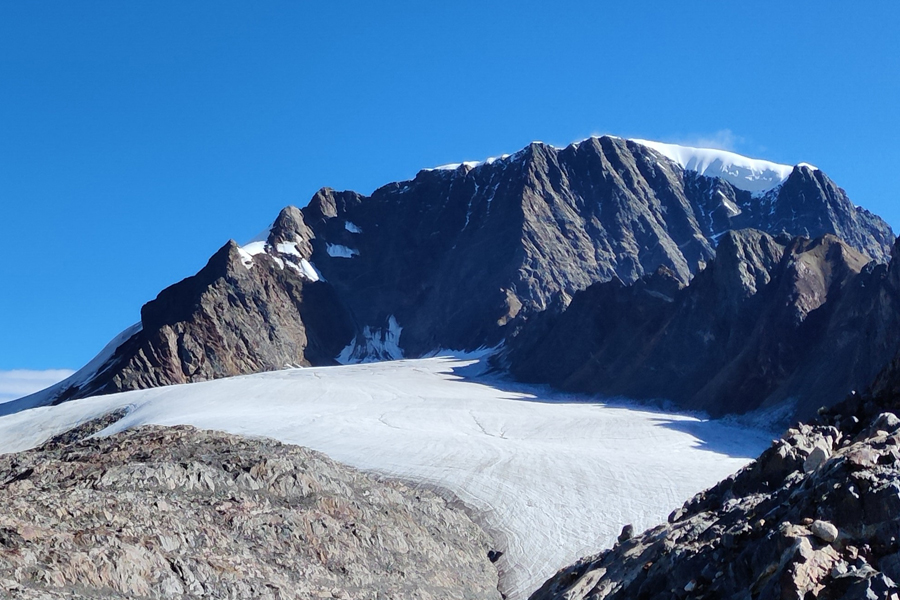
point(550, 477)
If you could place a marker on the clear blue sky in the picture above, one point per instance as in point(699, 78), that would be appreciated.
point(137, 137)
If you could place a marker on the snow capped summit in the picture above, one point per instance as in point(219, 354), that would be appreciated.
point(750, 174)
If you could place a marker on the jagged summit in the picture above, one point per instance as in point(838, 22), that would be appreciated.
point(748, 174)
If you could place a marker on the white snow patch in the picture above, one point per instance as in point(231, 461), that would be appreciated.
point(750, 174)
point(351, 227)
point(472, 164)
point(339, 251)
point(310, 270)
point(254, 248)
point(376, 344)
point(304, 268)
point(16, 383)
point(246, 258)
point(453, 166)
point(288, 248)
point(249, 250)
point(555, 476)
point(731, 207)
point(808, 166)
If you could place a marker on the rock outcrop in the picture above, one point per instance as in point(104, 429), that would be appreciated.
point(816, 516)
point(242, 313)
point(177, 512)
point(771, 322)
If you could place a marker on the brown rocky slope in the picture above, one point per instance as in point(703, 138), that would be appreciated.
point(167, 513)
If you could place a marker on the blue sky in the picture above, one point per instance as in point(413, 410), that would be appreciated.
point(137, 138)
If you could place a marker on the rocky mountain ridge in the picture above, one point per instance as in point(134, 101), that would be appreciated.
point(460, 257)
point(453, 259)
point(771, 322)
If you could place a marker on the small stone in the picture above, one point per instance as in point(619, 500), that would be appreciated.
point(816, 458)
point(887, 422)
point(840, 568)
point(627, 533)
point(824, 530)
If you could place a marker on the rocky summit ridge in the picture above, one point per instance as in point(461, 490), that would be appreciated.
point(455, 258)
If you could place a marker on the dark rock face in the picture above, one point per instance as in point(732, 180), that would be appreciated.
point(240, 314)
point(177, 512)
point(454, 259)
point(769, 321)
point(816, 516)
point(809, 204)
point(461, 257)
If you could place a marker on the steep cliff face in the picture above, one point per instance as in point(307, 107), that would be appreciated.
point(771, 321)
point(459, 256)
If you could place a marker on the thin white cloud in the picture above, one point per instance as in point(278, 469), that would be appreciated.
point(21, 382)
point(723, 139)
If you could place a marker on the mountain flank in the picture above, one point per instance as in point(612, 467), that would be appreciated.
point(462, 258)
point(770, 323)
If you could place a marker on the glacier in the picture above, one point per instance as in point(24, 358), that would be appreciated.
point(550, 476)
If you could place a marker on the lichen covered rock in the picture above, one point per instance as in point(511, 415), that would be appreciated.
point(178, 512)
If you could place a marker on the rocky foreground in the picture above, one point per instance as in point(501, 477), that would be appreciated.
point(816, 516)
point(176, 512)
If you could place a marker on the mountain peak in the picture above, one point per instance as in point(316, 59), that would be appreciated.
point(749, 174)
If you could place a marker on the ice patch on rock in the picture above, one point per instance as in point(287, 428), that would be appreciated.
point(374, 344)
point(470, 164)
point(338, 251)
point(294, 260)
point(310, 270)
point(288, 248)
point(351, 227)
point(249, 250)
